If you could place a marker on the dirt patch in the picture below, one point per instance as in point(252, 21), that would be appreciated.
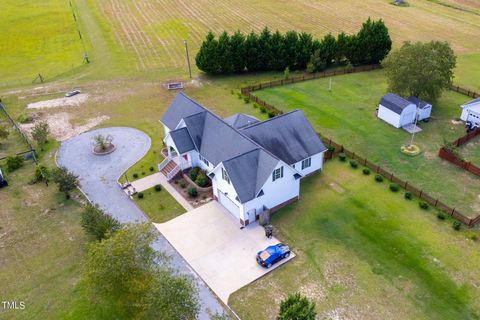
point(74, 101)
point(336, 187)
point(61, 127)
point(456, 122)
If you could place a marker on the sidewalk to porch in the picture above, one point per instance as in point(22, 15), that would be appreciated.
point(158, 178)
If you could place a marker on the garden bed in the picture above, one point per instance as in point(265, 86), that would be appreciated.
point(182, 185)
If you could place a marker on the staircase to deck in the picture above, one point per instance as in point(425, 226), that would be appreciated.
point(170, 169)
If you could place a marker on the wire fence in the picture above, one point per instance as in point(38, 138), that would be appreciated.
point(30, 149)
point(336, 148)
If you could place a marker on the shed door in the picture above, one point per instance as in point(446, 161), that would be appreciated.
point(407, 119)
point(228, 204)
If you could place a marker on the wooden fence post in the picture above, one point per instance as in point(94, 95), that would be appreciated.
point(406, 183)
point(391, 176)
point(436, 202)
point(420, 196)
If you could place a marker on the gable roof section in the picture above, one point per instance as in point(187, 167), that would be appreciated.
point(395, 103)
point(289, 137)
point(240, 120)
point(180, 107)
point(471, 103)
point(249, 171)
point(220, 142)
point(421, 104)
point(182, 140)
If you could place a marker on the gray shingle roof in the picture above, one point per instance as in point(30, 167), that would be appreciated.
point(394, 102)
point(180, 107)
point(289, 137)
point(418, 102)
point(249, 171)
point(249, 154)
point(182, 140)
point(240, 120)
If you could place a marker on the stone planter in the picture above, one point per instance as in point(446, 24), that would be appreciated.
point(100, 152)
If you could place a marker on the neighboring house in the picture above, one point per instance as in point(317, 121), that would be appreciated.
point(471, 113)
point(400, 112)
point(254, 165)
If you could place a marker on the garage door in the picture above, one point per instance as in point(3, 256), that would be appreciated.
point(228, 204)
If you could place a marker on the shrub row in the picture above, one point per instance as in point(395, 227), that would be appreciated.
point(275, 51)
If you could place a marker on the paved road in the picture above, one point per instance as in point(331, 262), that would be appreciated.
point(98, 176)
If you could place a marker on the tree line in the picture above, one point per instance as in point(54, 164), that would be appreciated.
point(274, 51)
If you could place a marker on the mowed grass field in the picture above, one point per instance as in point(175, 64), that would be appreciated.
point(37, 37)
point(364, 252)
point(347, 115)
point(152, 32)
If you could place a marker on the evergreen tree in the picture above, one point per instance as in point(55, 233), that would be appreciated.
point(277, 45)
point(265, 49)
point(237, 51)
point(342, 45)
point(207, 57)
point(353, 52)
point(291, 46)
point(329, 48)
point(373, 43)
point(224, 53)
point(317, 61)
point(296, 307)
point(305, 49)
point(252, 52)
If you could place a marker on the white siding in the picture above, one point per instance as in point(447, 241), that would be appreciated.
point(275, 192)
point(464, 115)
point(226, 188)
point(389, 116)
point(317, 164)
point(425, 112)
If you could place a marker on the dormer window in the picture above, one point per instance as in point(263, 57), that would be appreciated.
point(277, 173)
point(306, 163)
point(225, 176)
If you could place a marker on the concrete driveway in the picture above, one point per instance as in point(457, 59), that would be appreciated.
point(98, 180)
point(221, 253)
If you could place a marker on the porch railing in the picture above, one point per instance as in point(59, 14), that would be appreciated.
point(172, 173)
point(163, 164)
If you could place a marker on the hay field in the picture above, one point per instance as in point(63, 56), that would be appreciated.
point(152, 31)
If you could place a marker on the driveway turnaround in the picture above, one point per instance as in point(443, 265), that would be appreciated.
point(98, 180)
point(211, 241)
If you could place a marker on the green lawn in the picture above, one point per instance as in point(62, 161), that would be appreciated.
point(470, 151)
point(364, 252)
point(467, 73)
point(159, 206)
point(41, 245)
point(347, 114)
point(38, 37)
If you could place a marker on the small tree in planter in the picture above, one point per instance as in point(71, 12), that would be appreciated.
point(202, 179)
point(103, 144)
point(192, 192)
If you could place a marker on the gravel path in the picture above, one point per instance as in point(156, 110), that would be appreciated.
point(98, 180)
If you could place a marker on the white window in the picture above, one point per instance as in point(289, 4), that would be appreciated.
point(225, 176)
point(306, 163)
point(203, 160)
point(277, 173)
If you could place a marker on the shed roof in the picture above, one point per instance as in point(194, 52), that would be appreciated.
point(395, 103)
point(421, 104)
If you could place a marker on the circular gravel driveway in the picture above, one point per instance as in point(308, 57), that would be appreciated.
point(98, 180)
point(98, 174)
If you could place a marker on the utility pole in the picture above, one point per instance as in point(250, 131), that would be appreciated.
point(188, 58)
